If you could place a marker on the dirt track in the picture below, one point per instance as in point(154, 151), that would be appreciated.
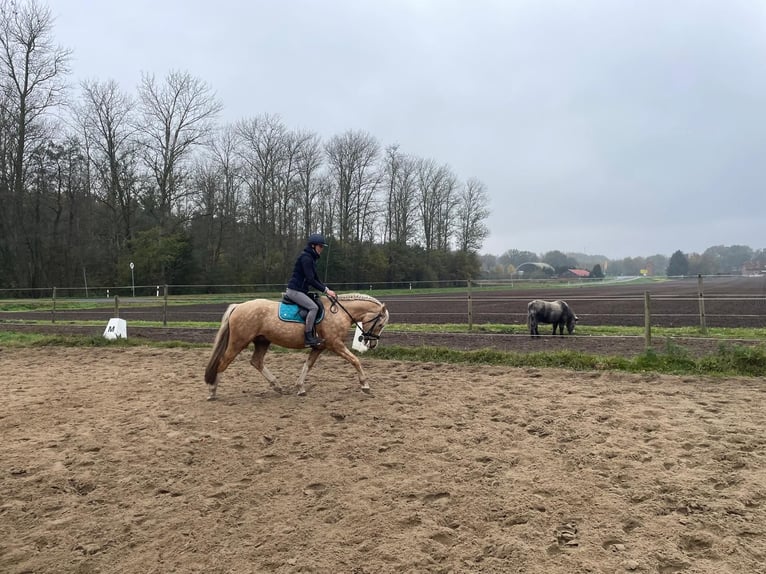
point(113, 462)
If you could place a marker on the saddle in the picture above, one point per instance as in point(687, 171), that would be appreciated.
point(291, 312)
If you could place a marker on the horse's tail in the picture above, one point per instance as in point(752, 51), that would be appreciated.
point(219, 347)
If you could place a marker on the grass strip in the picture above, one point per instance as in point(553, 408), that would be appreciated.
point(728, 360)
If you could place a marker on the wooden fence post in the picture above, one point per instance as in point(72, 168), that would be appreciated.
point(165, 307)
point(470, 308)
point(703, 322)
point(647, 320)
point(53, 310)
point(117, 306)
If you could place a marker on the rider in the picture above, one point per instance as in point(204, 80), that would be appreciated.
point(305, 276)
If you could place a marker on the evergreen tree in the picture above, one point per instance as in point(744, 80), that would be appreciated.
point(596, 272)
point(679, 264)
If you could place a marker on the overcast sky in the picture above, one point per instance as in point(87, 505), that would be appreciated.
point(613, 127)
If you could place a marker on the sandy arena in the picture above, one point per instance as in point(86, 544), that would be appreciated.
point(114, 462)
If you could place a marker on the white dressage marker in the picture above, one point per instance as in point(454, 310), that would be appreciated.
point(116, 329)
point(358, 343)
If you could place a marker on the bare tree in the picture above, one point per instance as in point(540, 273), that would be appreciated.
point(436, 203)
point(32, 82)
point(473, 210)
point(176, 116)
point(446, 222)
point(106, 118)
point(309, 162)
point(60, 180)
point(352, 161)
point(33, 70)
point(216, 184)
point(208, 184)
point(401, 212)
point(269, 157)
point(290, 178)
point(263, 141)
point(223, 151)
point(263, 152)
point(324, 214)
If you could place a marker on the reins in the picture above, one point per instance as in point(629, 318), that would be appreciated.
point(360, 325)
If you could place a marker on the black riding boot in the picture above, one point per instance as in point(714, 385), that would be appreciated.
point(311, 340)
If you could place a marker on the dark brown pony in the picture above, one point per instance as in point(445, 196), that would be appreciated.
point(556, 313)
point(258, 322)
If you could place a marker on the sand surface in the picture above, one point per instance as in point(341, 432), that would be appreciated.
point(113, 461)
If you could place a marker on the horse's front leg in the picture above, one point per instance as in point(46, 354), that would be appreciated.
point(343, 352)
point(310, 360)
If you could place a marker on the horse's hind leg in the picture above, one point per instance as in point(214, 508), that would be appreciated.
point(310, 360)
point(232, 350)
point(261, 346)
point(212, 388)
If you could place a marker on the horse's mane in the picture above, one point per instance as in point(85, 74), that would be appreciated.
point(357, 297)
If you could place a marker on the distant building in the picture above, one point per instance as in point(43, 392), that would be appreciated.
point(535, 268)
point(576, 274)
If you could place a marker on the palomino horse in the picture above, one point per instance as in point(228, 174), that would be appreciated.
point(258, 322)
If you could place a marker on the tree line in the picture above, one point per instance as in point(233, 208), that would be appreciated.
point(715, 260)
point(93, 178)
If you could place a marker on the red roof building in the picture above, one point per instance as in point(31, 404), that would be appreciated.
point(579, 273)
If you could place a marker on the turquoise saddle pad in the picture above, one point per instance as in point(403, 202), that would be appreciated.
point(292, 313)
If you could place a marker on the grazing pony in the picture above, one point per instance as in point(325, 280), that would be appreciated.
point(556, 312)
point(258, 321)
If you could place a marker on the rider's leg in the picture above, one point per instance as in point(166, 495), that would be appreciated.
point(307, 303)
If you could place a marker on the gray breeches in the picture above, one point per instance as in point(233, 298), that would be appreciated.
point(307, 303)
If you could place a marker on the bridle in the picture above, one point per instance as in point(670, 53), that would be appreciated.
point(367, 335)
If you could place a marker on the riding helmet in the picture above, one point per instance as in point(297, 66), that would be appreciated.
point(317, 239)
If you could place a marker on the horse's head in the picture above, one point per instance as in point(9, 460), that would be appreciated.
point(571, 323)
point(372, 324)
point(369, 314)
